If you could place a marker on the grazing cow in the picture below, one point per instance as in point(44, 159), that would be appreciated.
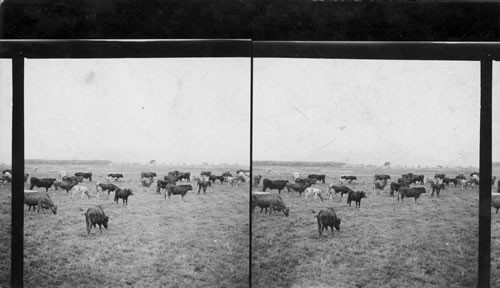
point(42, 183)
point(74, 179)
point(495, 203)
point(178, 190)
point(40, 199)
point(295, 187)
point(148, 175)
point(318, 177)
point(349, 179)
point(418, 178)
point(207, 173)
point(227, 174)
point(339, 189)
point(276, 184)
point(146, 182)
point(203, 185)
point(296, 175)
point(395, 188)
point(447, 181)
point(381, 177)
point(84, 191)
point(306, 181)
point(439, 176)
point(327, 218)
point(268, 200)
point(436, 188)
point(405, 182)
point(379, 186)
point(123, 194)
point(214, 178)
point(410, 192)
point(313, 191)
point(356, 196)
point(64, 185)
point(85, 175)
point(114, 176)
point(106, 187)
point(183, 176)
point(256, 180)
point(95, 216)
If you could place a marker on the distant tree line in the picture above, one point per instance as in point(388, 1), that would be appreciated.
point(74, 162)
point(251, 19)
point(298, 163)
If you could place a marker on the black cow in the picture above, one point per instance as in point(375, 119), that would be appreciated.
point(381, 177)
point(327, 218)
point(106, 187)
point(178, 190)
point(85, 175)
point(276, 184)
point(272, 201)
point(440, 176)
point(395, 188)
point(460, 177)
point(162, 184)
point(26, 177)
point(75, 179)
point(349, 179)
point(256, 180)
point(339, 189)
point(148, 174)
point(95, 216)
point(186, 175)
point(447, 181)
point(213, 178)
point(206, 173)
point(356, 196)
point(318, 177)
point(44, 182)
point(405, 182)
point(115, 176)
point(407, 176)
point(410, 192)
point(436, 188)
point(418, 178)
point(64, 185)
point(203, 185)
point(295, 187)
point(123, 194)
point(306, 181)
point(40, 199)
point(171, 178)
point(227, 174)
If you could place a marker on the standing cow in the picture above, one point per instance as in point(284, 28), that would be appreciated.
point(95, 216)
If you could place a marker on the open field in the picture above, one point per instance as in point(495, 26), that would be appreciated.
point(431, 243)
point(152, 242)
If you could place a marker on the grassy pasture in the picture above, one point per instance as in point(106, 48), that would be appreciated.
point(152, 242)
point(431, 243)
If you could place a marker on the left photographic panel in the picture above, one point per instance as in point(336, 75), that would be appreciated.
point(154, 150)
point(6, 168)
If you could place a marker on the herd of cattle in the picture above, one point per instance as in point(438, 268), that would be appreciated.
point(407, 186)
point(175, 183)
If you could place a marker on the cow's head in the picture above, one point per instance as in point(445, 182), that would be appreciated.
point(286, 211)
point(105, 222)
point(337, 224)
point(363, 194)
point(54, 209)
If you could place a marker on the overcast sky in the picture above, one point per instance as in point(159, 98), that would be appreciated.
point(367, 112)
point(172, 110)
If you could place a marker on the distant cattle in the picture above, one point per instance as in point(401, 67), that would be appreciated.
point(123, 194)
point(74, 179)
point(235, 181)
point(405, 181)
point(256, 180)
point(78, 189)
point(114, 176)
point(439, 176)
point(146, 182)
point(7, 171)
point(148, 175)
point(206, 173)
point(274, 184)
point(171, 178)
point(395, 188)
point(62, 173)
point(64, 185)
point(356, 197)
point(227, 174)
point(177, 190)
point(214, 178)
point(418, 178)
point(106, 187)
point(407, 176)
point(203, 185)
point(95, 216)
point(40, 200)
point(295, 187)
point(339, 189)
point(460, 176)
point(42, 183)
point(327, 218)
point(381, 177)
point(306, 181)
point(379, 186)
point(184, 176)
point(4, 179)
point(85, 175)
point(447, 181)
point(318, 177)
point(410, 192)
point(347, 178)
point(272, 201)
point(162, 184)
point(313, 191)
point(436, 188)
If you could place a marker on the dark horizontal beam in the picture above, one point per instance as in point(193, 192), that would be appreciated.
point(124, 48)
point(379, 50)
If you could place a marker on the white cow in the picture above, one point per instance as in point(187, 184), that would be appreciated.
point(80, 189)
point(296, 175)
point(313, 191)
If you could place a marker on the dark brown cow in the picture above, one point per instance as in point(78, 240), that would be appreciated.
point(327, 218)
point(95, 216)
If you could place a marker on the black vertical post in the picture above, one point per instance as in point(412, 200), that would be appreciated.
point(251, 168)
point(16, 277)
point(485, 175)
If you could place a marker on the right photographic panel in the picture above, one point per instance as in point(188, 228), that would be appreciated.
point(365, 173)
